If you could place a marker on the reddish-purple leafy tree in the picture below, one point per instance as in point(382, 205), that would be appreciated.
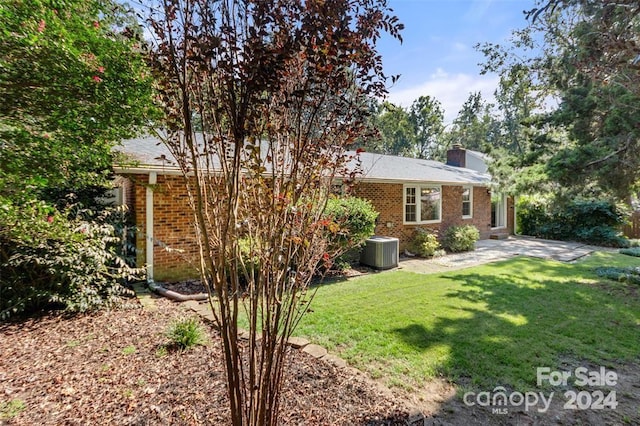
point(261, 98)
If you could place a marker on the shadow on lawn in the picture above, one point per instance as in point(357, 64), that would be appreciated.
point(499, 328)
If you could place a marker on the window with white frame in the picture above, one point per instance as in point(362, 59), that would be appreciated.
point(467, 202)
point(422, 203)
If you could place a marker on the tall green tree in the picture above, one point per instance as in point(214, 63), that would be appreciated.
point(584, 52)
point(73, 82)
point(473, 126)
point(395, 132)
point(426, 116)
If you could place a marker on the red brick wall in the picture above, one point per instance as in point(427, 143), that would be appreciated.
point(457, 157)
point(173, 220)
point(387, 199)
point(173, 228)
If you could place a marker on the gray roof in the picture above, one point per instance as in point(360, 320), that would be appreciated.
point(149, 154)
point(403, 169)
point(477, 161)
point(148, 151)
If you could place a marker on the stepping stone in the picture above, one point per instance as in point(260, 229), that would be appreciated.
point(141, 288)
point(335, 360)
point(297, 342)
point(315, 350)
point(191, 304)
point(145, 297)
point(208, 315)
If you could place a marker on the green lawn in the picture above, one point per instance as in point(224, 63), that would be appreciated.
point(483, 326)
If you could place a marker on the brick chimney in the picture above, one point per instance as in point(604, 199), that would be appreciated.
point(457, 156)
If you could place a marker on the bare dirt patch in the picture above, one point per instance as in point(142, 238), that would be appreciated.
point(443, 404)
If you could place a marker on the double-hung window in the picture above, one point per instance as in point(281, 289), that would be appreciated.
point(467, 202)
point(422, 203)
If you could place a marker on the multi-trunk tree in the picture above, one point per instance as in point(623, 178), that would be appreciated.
point(261, 98)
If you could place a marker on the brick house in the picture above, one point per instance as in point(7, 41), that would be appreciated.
point(407, 193)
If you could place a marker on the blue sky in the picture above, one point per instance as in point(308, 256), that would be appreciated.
point(437, 57)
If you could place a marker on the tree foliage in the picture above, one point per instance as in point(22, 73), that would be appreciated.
point(426, 116)
point(413, 132)
point(473, 125)
point(261, 99)
point(73, 84)
point(584, 53)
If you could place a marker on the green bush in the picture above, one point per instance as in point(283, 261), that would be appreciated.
point(634, 242)
point(425, 243)
point(460, 238)
point(70, 259)
point(532, 214)
point(592, 221)
point(355, 217)
point(249, 257)
point(625, 275)
point(350, 221)
point(632, 251)
point(185, 333)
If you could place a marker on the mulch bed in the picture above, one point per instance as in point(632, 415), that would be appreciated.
point(110, 368)
point(189, 287)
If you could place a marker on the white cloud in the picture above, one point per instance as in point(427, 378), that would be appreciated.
point(452, 90)
point(459, 47)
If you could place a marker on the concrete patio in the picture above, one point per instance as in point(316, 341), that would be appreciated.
point(493, 250)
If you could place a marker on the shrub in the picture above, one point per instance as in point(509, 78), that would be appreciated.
point(460, 238)
point(69, 259)
point(355, 217)
point(249, 257)
point(625, 275)
point(351, 220)
point(634, 242)
point(425, 243)
point(532, 214)
point(185, 333)
point(633, 251)
point(591, 221)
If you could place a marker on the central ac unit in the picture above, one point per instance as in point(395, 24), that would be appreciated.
point(380, 252)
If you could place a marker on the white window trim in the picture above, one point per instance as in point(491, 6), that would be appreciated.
point(470, 215)
point(418, 211)
point(503, 197)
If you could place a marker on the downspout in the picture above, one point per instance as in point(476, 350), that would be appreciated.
point(153, 178)
point(515, 215)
